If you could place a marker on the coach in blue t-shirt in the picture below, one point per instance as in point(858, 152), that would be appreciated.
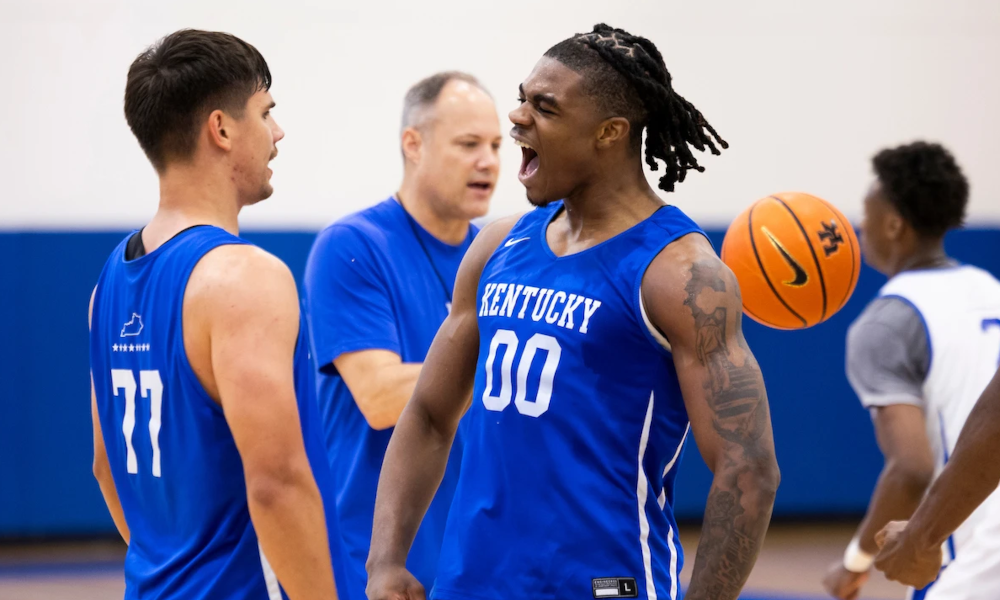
point(378, 286)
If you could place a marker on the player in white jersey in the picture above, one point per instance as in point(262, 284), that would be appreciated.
point(918, 357)
point(910, 552)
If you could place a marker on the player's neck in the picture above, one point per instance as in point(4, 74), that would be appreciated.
point(929, 256)
point(610, 205)
point(189, 198)
point(448, 230)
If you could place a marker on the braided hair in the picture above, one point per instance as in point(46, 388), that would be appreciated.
point(626, 75)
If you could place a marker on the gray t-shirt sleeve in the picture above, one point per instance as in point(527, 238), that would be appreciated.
point(887, 354)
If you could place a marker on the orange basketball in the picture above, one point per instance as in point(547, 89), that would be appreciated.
point(796, 257)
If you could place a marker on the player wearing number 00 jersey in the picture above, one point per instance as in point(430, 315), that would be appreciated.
point(207, 445)
point(590, 335)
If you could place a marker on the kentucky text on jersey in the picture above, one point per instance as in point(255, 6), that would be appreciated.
point(563, 309)
point(575, 428)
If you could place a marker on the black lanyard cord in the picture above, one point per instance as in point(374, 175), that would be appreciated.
point(416, 234)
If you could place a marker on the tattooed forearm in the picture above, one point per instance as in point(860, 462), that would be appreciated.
point(731, 537)
point(739, 504)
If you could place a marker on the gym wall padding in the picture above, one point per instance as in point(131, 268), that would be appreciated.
point(828, 457)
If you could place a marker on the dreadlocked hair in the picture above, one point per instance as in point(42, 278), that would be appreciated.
point(626, 76)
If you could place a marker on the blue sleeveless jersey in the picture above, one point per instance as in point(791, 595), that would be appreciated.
point(575, 430)
point(173, 458)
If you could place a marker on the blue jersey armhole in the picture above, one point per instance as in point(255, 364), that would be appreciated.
point(637, 286)
point(97, 291)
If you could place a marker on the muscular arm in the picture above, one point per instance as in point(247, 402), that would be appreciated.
point(102, 469)
point(887, 362)
point(694, 299)
point(908, 470)
point(243, 302)
point(971, 475)
point(380, 382)
point(418, 452)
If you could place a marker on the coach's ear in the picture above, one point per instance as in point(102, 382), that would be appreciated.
point(412, 145)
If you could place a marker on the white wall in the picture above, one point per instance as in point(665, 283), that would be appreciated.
point(805, 92)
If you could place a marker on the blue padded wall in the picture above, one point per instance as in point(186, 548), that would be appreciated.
point(829, 460)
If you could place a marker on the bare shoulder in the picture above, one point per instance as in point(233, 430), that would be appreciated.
point(490, 237)
point(673, 264)
point(686, 280)
point(237, 281)
point(483, 247)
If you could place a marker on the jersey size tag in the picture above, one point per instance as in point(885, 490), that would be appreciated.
point(615, 587)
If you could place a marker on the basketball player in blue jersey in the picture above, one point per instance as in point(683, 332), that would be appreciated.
point(919, 357)
point(605, 328)
point(206, 446)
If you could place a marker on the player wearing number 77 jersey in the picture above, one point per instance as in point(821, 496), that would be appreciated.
point(605, 327)
point(207, 445)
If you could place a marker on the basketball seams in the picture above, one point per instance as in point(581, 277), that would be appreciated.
point(819, 269)
point(808, 224)
point(850, 240)
point(760, 264)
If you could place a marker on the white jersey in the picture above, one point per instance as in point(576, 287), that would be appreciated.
point(960, 308)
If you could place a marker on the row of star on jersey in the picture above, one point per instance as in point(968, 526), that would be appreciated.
point(130, 348)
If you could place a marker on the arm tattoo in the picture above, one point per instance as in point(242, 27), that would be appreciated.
point(735, 518)
point(735, 392)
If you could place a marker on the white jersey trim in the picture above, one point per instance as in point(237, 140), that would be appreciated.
point(662, 500)
point(652, 328)
point(674, 575)
point(270, 579)
point(642, 491)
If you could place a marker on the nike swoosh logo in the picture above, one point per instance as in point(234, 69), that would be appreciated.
point(801, 277)
point(512, 242)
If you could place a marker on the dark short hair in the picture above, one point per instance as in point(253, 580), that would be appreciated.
point(423, 94)
point(925, 184)
point(180, 79)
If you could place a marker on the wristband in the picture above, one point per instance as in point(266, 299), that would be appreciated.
point(857, 560)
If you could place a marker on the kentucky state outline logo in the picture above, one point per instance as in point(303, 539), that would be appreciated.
point(133, 327)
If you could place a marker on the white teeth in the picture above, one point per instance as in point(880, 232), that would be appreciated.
point(522, 144)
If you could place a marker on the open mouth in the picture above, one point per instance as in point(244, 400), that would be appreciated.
point(529, 160)
point(481, 186)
